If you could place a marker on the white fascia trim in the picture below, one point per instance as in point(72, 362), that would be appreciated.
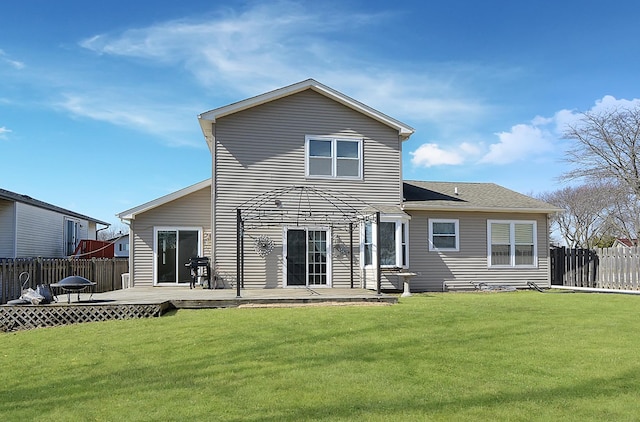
point(130, 214)
point(404, 131)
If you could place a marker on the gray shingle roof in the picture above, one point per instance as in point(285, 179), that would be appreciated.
point(420, 195)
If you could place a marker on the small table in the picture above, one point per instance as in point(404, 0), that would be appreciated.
point(405, 276)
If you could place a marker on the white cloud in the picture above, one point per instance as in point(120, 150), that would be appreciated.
point(13, 63)
point(168, 122)
point(538, 137)
point(429, 155)
point(3, 132)
point(270, 45)
point(523, 141)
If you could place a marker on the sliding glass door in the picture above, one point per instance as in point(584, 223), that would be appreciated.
point(173, 249)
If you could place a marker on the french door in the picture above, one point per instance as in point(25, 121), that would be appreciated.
point(307, 262)
point(173, 249)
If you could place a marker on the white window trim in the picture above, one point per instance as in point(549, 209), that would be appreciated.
point(456, 222)
point(156, 229)
point(399, 222)
point(334, 158)
point(512, 257)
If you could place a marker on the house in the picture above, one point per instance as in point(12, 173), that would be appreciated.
point(307, 191)
point(30, 228)
point(624, 243)
point(120, 246)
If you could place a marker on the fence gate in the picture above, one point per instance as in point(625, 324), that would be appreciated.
point(574, 267)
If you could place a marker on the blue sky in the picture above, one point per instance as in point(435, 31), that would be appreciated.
point(98, 100)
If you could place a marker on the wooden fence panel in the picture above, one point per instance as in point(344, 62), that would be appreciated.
point(574, 267)
point(105, 272)
point(606, 268)
point(620, 268)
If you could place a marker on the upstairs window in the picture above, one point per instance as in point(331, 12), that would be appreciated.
point(512, 243)
point(333, 157)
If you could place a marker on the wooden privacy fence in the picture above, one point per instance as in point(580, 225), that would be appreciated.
point(604, 268)
point(105, 272)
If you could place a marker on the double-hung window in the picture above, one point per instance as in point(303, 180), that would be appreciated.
point(393, 242)
point(444, 235)
point(333, 157)
point(512, 243)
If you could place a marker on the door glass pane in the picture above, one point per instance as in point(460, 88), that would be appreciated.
point(368, 242)
point(296, 257)
point(187, 248)
point(317, 257)
point(166, 263)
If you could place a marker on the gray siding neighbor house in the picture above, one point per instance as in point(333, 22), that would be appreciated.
point(307, 191)
point(32, 228)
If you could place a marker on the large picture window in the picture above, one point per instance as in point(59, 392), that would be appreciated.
point(444, 235)
point(333, 157)
point(393, 243)
point(512, 243)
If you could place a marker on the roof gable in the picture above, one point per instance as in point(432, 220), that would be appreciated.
point(206, 118)
point(449, 196)
point(130, 214)
point(25, 199)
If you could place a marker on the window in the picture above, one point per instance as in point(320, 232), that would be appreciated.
point(444, 235)
point(393, 243)
point(512, 243)
point(334, 158)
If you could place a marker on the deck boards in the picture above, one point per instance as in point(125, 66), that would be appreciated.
point(145, 302)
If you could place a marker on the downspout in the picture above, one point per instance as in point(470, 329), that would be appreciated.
point(214, 195)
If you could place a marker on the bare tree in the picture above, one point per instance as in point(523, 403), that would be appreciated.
point(607, 147)
point(113, 231)
point(584, 221)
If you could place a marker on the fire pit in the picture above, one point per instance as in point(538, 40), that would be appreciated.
point(73, 283)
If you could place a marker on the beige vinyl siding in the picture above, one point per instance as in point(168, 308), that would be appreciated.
point(193, 210)
point(7, 229)
point(469, 264)
point(263, 148)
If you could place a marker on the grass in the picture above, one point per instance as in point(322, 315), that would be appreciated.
point(501, 356)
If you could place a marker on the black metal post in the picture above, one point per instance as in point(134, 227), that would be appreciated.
point(351, 251)
point(378, 255)
point(238, 250)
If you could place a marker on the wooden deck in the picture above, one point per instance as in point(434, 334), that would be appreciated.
point(144, 302)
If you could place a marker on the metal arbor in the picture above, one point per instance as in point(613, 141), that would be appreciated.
point(301, 206)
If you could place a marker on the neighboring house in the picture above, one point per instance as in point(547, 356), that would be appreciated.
point(312, 180)
point(32, 228)
point(624, 243)
point(120, 246)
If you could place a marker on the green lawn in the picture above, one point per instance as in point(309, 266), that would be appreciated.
point(466, 356)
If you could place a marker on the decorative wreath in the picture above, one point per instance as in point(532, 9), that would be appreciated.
point(340, 250)
point(263, 245)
